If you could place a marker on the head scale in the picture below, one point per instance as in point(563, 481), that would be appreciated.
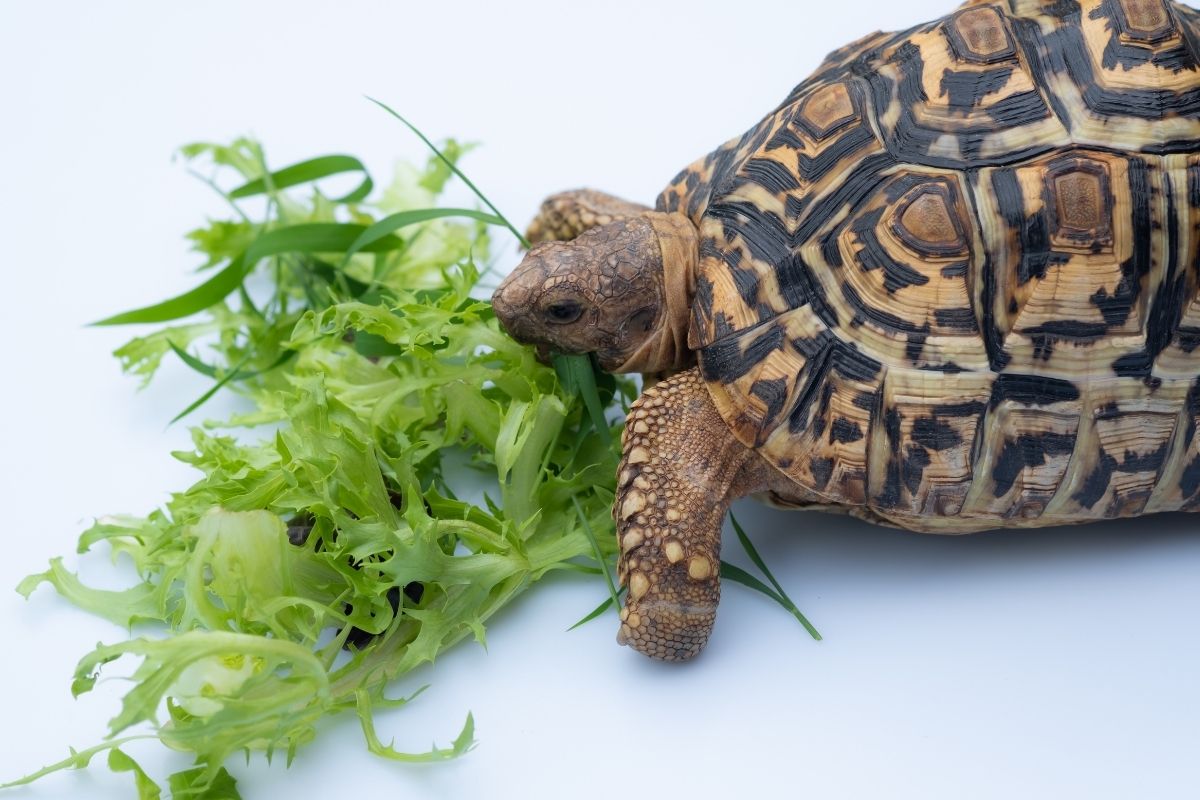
point(622, 291)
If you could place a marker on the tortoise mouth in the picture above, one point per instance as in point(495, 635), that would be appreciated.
point(514, 321)
point(511, 310)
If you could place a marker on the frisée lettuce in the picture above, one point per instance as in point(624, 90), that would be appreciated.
point(330, 543)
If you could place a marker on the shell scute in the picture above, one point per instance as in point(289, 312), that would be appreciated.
point(924, 458)
point(981, 34)
point(828, 109)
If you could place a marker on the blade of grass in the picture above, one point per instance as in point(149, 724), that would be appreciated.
point(212, 372)
point(248, 302)
point(210, 183)
point(204, 398)
point(779, 595)
point(313, 237)
point(306, 172)
point(453, 168)
point(317, 237)
point(752, 551)
point(206, 295)
point(336, 277)
point(734, 573)
point(605, 606)
point(390, 224)
point(578, 375)
point(599, 554)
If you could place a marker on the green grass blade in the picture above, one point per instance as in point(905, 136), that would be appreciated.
point(578, 375)
point(248, 302)
point(390, 224)
point(313, 237)
point(234, 374)
point(204, 398)
point(453, 168)
point(212, 372)
point(597, 552)
point(317, 237)
point(206, 295)
point(306, 172)
point(605, 606)
point(335, 276)
point(779, 595)
point(736, 574)
point(193, 362)
point(752, 551)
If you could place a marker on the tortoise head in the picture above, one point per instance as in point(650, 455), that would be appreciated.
point(622, 291)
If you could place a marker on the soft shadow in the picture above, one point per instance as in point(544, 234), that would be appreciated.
point(795, 542)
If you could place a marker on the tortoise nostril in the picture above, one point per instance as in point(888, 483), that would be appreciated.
point(505, 310)
point(499, 304)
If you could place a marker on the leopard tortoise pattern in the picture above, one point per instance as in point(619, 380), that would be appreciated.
point(954, 279)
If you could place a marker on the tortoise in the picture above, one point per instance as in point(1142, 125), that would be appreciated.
point(950, 284)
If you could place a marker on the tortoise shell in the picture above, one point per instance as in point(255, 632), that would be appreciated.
point(953, 278)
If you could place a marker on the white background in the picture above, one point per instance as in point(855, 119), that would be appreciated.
point(1048, 664)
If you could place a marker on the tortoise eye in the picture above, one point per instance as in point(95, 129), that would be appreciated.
point(564, 312)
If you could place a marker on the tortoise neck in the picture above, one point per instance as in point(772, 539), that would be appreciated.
point(666, 349)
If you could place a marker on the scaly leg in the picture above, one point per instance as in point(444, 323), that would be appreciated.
point(682, 467)
point(565, 215)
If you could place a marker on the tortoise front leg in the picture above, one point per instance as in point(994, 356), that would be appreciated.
point(565, 215)
point(682, 467)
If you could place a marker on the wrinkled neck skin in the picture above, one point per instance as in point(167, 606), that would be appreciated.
point(666, 348)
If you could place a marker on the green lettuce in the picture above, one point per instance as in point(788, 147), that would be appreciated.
point(303, 572)
point(339, 549)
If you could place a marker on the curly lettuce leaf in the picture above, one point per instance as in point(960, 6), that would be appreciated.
point(305, 571)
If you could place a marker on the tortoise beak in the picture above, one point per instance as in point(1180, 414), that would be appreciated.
point(502, 304)
point(509, 304)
